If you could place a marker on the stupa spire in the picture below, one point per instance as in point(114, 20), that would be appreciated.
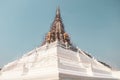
point(57, 31)
point(58, 12)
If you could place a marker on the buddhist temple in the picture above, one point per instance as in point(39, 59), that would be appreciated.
point(58, 59)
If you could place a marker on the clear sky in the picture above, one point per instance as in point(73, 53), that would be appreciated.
point(94, 26)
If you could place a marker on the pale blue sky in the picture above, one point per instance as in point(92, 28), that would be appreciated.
point(94, 26)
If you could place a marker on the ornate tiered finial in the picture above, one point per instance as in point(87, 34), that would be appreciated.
point(57, 32)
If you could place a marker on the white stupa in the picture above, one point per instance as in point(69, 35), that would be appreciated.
point(57, 59)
